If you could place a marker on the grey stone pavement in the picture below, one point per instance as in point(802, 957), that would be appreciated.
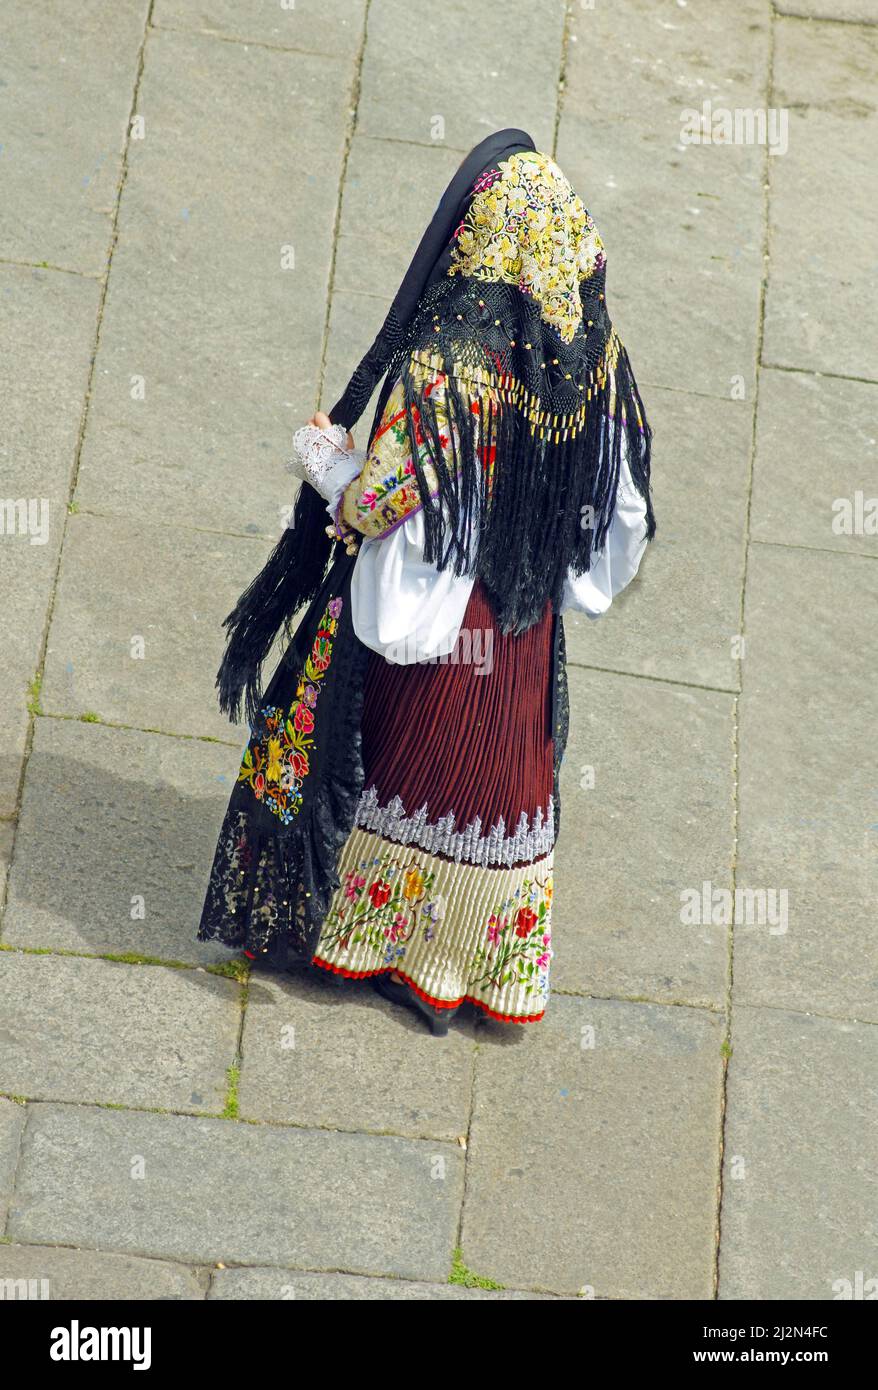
point(205, 212)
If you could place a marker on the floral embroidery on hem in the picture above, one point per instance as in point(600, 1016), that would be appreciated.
point(383, 902)
point(518, 941)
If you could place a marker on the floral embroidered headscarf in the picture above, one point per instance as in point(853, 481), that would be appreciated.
point(526, 226)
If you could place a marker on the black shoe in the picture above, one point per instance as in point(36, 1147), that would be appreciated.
point(333, 978)
point(400, 993)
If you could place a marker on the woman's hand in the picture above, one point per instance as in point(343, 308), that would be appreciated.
point(322, 422)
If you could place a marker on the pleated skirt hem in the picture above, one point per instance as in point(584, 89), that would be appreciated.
point(454, 931)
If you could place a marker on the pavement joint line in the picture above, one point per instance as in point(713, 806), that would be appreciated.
point(237, 1062)
point(247, 43)
point(154, 524)
point(236, 743)
point(10, 1196)
point(216, 969)
point(561, 84)
point(77, 451)
point(59, 269)
point(717, 1009)
point(16, 1163)
point(286, 1126)
point(353, 290)
point(196, 1266)
point(199, 1267)
point(822, 19)
point(819, 549)
point(686, 391)
point(813, 371)
point(659, 680)
point(811, 1013)
point(353, 107)
point(112, 958)
point(736, 726)
point(457, 1242)
point(418, 144)
point(138, 729)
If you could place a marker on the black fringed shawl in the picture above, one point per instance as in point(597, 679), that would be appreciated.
point(505, 297)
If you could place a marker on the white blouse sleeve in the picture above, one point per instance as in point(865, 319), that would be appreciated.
point(403, 607)
point(407, 610)
point(618, 561)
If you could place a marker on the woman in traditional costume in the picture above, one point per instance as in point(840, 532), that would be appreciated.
point(397, 806)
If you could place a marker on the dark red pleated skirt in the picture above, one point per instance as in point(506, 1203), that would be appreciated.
point(470, 735)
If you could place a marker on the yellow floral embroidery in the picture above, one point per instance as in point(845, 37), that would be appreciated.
point(530, 229)
point(277, 761)
point(413, 881)
point(385, 491)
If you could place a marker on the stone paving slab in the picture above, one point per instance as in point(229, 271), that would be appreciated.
point(60, 169)
point(48, 325)
point(317, 1054)
point(294, 1284)
point(816, 314)
point(321, 26)
point(683, 283)
point(807, 784)
point(656, 56)
point(799, 1189)
point(610, 1182)
point(678, 618)
point(463, 64)
point(646, 812)
point(109, 817)
point(816, 448)
point(101, 1031)
point(215, 1190)
point(210, 349)
point(121, 581)
point(12, 1118)
point(682, 224)
point(383, 220)
point(63, 1275)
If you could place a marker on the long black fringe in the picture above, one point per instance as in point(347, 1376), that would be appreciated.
point(547, 506)
point(291, 577)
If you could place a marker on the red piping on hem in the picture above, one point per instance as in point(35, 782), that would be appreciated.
point(422, 994)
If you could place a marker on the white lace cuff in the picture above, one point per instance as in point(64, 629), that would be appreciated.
point(321, 459)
